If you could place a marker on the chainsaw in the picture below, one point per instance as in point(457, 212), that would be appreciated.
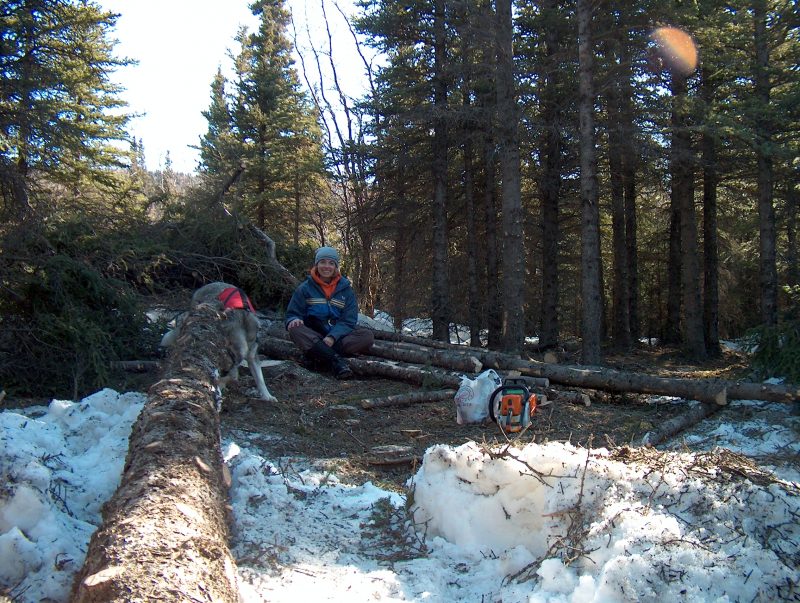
point(512, 405)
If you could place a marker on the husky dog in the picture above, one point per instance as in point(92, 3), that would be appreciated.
point(240, 328)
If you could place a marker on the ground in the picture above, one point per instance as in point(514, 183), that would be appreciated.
point(322, 418)
point(319, 417)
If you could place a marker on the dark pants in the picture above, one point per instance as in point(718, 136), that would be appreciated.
point(358, 341)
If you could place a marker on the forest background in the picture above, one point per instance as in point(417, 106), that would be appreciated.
point(559, 169)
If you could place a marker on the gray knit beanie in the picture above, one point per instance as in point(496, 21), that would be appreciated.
point(326, 253)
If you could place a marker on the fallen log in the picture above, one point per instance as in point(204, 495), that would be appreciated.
point(453, 359)
point(680, 423)
point(407, 399)
point(424, 377)
point(607, 379)
point(718, 391)
point(438, 357)
point(165, 531)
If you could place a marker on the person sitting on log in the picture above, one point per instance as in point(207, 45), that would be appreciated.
point(322, 317)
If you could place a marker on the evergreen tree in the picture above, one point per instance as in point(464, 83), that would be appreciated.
point(263, 133)
point(57, 117)
point(220, 148)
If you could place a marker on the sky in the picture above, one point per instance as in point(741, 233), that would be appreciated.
point(179, 45)
point(656, 526)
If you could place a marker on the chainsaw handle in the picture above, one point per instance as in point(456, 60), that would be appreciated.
point(525, 393)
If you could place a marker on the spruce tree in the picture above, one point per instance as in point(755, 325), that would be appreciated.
point(59, 115)
point(264, 128)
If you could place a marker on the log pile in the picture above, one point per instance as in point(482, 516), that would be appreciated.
point(435, 362)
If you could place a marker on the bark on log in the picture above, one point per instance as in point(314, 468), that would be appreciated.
point(165, 533)
point(680, 423)
point(406, 399)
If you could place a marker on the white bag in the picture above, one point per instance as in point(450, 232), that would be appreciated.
point(472, 397)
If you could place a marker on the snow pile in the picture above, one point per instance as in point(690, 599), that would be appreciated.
point(58, 465)
point(636, 524)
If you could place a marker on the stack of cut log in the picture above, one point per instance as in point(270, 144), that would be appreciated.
point(438, 367)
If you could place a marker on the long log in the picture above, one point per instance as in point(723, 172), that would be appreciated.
point(601, 378)
point(437, 357)
point(607, 379)
point(423, 376)
point(164, 535)
point(718, 391)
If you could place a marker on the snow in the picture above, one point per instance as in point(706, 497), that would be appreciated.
point(534, 523)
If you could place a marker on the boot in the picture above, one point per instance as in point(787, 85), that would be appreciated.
point(328, 357)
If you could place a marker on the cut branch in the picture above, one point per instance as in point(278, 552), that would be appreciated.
point(407, 399)
point(680, 423)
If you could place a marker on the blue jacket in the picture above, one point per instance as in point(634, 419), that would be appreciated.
point(336, 316)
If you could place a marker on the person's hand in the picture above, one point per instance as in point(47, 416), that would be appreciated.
point(294, 323)
point(329, 341)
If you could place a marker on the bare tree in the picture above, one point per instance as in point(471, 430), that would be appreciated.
point(344, 125)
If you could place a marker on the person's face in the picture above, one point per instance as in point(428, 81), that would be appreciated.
point(326, 268)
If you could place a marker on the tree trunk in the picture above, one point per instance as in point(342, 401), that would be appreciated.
point(165, 531)
point(473, 287)
point(513, 241)
point(550, 183)
point(672, 328)
point(710, 250)
point(399, 274)
point(792, 266)
point(590, 213)
point(621, 327)
point(440, 303)
point(630, 160)
point(494, 320)
point(445, 358)
point(766, 210)
point(682, 171)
